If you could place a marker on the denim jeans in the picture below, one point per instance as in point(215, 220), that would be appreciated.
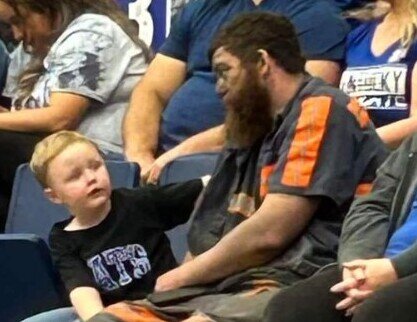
point(65, 314)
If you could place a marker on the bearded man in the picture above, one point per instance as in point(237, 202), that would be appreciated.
point(297, 152)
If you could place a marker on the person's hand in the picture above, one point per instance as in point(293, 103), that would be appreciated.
point(360, 279)
point(170, 280)
point(378, 272)
point(152, 176)
point(352, 283)
point(145, 161)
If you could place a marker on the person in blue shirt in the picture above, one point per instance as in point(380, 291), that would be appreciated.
point(381, 73)
point(349, 4)
point(177, 99)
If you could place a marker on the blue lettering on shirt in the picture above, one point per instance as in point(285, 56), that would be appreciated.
point(131, 262)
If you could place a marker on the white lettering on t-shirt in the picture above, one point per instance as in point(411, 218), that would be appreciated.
point(377, 87)
point(118, 257)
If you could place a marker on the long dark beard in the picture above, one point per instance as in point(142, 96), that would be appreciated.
point(249, 116)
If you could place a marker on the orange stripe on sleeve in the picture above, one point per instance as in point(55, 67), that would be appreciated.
point(304, 149)
point(359, 112)
point(363, 189)
point(265, 174)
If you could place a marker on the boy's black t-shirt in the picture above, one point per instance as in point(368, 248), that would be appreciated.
point(123, 255)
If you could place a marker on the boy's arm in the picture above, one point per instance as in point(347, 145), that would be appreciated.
point(175, 203)
point(75, 274)
point(86, 301)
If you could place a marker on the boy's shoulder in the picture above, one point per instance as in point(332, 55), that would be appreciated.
point(138, 193)
point(60, 225)
point(57, 235)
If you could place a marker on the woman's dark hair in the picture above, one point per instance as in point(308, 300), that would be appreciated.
point(67, 11)
point(244, 36)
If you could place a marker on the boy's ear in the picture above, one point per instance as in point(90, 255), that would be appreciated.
point(52, 196)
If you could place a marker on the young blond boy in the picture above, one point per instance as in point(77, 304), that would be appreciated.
point(114, 246)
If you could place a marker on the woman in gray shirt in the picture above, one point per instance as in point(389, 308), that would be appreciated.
point(85, 60)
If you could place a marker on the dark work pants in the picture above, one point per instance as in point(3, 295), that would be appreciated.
point(311, 301)
point(15, 148)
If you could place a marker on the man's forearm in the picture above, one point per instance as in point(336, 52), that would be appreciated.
point(149, 98)
point(211, 140)
point(254, 242)
point(227, 257)
point(141, 124)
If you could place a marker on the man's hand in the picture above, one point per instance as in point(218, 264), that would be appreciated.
point(352, 283)
point(145, 161)
point(154, 171)
point(378, 272)
point(170, 280)
point(360, 279)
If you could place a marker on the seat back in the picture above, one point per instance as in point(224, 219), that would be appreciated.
point(31, 212)
point(29, 283)
point(188, 167)
point(180, 170)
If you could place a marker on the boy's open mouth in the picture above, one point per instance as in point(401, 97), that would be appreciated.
point(95, 191)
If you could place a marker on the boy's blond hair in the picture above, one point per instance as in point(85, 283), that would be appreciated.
point(49, 148)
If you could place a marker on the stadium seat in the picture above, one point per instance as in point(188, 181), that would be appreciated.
point(30, 284)
point(180, 170)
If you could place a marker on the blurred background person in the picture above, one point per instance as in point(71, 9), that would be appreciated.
point(380, 68)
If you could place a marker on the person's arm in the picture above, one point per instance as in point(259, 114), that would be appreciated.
point(327, 70)
point(174, 203)
point(211, 140)
point(64, 113)
point(393, 134)
point(323, 43)
point(365, 229)
point(279, 220)
point(149, 98)
point(77, 277)
point(405, 263)
point(86, 301)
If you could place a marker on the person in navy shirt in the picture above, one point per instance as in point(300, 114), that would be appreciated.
point(177, 98)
